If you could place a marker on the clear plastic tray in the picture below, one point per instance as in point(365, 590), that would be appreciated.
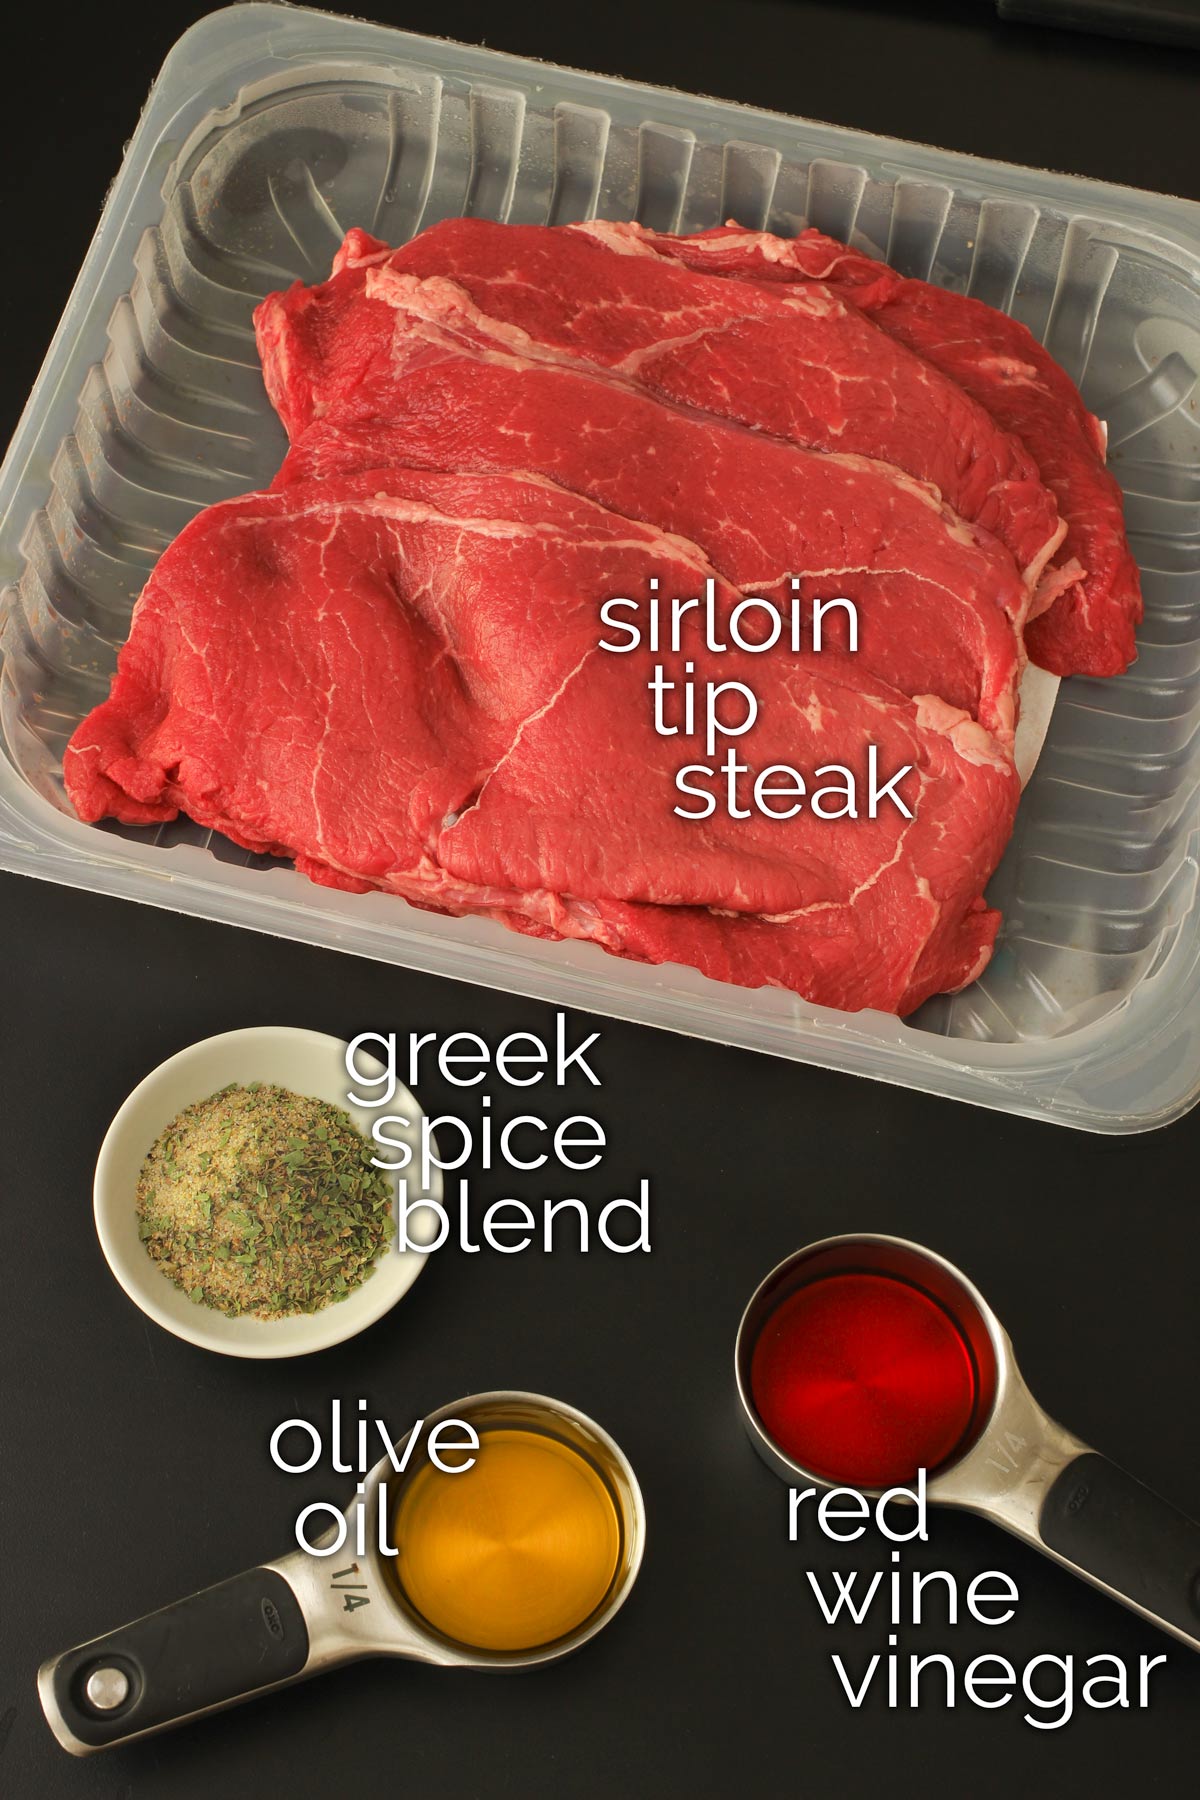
point(268, 132)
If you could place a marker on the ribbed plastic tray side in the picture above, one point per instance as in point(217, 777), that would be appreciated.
point(268, 134)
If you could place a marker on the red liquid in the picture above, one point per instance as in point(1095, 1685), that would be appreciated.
point(863, 1379)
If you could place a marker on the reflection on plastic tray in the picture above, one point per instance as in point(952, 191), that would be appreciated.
point(269, 132)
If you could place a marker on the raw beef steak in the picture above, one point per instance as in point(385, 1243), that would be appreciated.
point(802, 364)
point(394, 677)
point(1089, 629)
point(937, 601)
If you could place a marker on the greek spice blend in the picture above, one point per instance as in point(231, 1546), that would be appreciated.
point(258, 1200)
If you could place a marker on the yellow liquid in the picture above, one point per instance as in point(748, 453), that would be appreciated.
point(513, 1553)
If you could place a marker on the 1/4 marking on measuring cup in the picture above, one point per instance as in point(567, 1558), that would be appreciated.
point(354, 1592)
point(1005, 1458)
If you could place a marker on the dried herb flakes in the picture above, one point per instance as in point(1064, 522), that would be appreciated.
point(261, 1201)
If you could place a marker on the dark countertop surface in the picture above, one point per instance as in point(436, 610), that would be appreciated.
point(135, 1468)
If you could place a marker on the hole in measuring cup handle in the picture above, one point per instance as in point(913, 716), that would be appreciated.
point(84, 1686)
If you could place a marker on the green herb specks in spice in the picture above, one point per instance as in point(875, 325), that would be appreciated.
point(261, 1201)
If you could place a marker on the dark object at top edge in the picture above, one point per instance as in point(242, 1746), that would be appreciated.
point(1157, 22)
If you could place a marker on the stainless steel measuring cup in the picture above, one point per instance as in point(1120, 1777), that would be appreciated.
point(302, 1614)
point(1014, 1464)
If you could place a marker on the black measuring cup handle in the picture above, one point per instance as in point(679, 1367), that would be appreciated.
point(217, 1647)
point(1124, 1537)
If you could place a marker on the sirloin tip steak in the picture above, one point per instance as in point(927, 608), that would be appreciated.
point(388, 667)
point(1089, 627)
point(393, 676)
point(937, 601)
point(800, 363)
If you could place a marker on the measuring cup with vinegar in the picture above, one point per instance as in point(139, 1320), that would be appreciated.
point(861, 1359)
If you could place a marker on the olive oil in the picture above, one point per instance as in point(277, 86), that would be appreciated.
point(513, 1553)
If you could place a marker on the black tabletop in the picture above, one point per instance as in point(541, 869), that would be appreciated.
point(136, 1468)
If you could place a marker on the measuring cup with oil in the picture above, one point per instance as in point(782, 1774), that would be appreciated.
point(515, 1562)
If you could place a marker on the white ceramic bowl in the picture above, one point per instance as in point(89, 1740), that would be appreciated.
point(308, 1063)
